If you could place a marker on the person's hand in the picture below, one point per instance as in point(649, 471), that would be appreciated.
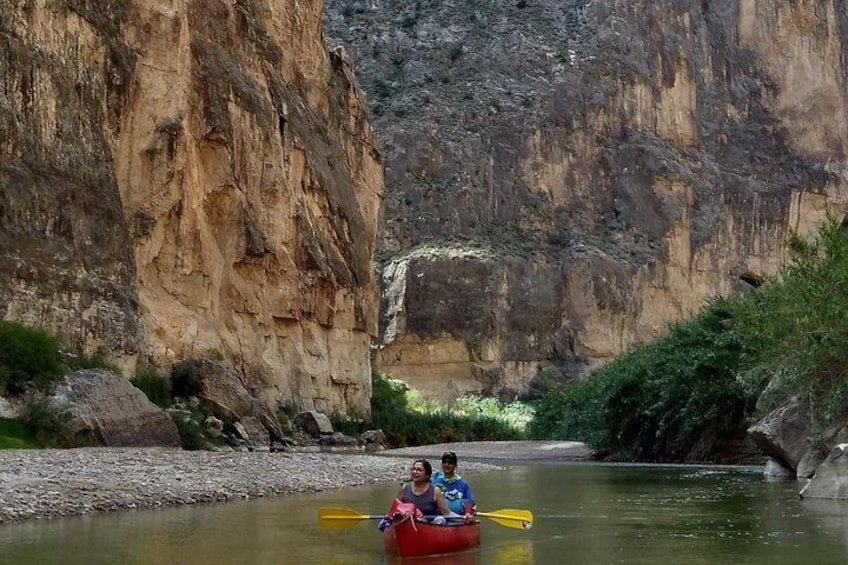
point(468, 518)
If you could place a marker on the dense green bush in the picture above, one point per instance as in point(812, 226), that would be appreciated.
point(14, 434)
point(28, 354)
point(797, 328)
point(664, 401)
point(672, 398)
point(192, 433)
point(408, 419)
point(155, 387)
point(49, 425)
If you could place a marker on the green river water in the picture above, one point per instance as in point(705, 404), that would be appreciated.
point(584, 513)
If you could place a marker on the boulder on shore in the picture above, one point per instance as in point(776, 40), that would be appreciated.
point(831, 478)
point(110, 411)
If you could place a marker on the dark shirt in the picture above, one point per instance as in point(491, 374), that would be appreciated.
point(426, 502)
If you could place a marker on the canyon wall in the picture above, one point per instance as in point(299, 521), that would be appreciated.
point(183, 178)
point(563, 179)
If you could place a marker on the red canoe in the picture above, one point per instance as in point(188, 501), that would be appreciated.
point(411, 538)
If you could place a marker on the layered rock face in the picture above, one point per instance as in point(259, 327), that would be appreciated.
point(191, 178)
point(565, 178)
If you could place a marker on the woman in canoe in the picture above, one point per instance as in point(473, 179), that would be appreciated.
point(429, 499)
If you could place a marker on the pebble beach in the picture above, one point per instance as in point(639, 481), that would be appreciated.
point(38, 484)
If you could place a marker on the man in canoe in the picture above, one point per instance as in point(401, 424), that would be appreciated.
point(456, 489)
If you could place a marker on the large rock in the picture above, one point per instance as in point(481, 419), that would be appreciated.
point(831, 478)
point(7, 410)
point(314, 423)
point(254, 433)
point(222, 389)
point(107, 409)
point(820, 449)
point(783, 433)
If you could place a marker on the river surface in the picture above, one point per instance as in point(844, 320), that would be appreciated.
point(584, 513)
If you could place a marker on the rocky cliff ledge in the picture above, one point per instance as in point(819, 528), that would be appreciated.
point(191, 178)
point(563, 178)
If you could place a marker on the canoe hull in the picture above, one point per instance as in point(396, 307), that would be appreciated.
point(410, 538)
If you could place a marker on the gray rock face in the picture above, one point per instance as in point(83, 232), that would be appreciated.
point(314, 423)
point(778, 470)
point(223, 390)
point(783, 433)
point(613, 162)
point(7, 410)
point(112, 412)
point(831, 478)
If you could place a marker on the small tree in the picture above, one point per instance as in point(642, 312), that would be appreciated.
point(28, 354)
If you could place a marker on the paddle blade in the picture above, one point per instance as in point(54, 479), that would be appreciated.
point(511, 518)
point(330, 517)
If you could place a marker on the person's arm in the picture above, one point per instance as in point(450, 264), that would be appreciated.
point(468, 495)
point(445, 509)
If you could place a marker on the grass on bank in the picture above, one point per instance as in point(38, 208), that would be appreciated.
point(408, 419)
point(15, 434)
point(713, 375)
point(42, 425)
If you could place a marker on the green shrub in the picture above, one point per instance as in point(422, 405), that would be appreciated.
point(28, 354)
point(49, 424)
point(674, 397)
point(798, 329)
point(14, 434)
point(96, 360)
point(659, 402)
point(155, 387)
point(388, 393)
point(515, 414)
point(192, 433)
point(349, 426)
point(408, 419)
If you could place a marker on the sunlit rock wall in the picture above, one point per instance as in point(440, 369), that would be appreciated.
point(191, 177)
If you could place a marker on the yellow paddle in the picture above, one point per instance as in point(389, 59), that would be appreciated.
point(345, 517)
point(511, 518)
point(342, 517)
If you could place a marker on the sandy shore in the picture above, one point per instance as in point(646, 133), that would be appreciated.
point(37, 484)
point(504, 451)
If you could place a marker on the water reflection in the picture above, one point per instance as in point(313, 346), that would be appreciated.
point(584, 514)
point(833, 516)
point(509, 552)
point(461, 558)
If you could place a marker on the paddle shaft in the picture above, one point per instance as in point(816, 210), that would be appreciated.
point(360, 517)
point(510, 517)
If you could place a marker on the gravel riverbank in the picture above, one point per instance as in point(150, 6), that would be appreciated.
point(47, 483)
point(37, 484)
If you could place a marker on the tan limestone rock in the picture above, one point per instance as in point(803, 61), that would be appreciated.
point(191, 178)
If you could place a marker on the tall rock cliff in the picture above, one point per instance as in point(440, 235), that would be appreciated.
point(191, 177)
point(565, 178)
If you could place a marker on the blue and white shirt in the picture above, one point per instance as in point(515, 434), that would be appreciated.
point(456, 489)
